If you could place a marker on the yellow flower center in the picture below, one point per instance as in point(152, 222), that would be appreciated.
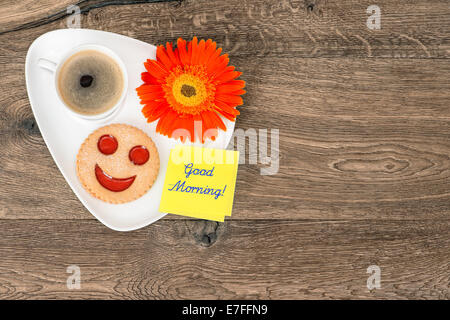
point(188, 90)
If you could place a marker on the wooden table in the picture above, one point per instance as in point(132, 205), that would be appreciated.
point(364, 176)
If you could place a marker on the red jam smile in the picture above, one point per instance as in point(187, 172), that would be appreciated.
point(111, 183)
point(107, 144)
point(139, 155)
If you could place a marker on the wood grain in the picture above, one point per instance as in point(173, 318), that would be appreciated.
point(358, 139)
point(364, 159)
point(310, 28)
point(24, 15)
point(245, 260)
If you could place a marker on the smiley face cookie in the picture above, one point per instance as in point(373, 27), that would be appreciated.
point(117, 163)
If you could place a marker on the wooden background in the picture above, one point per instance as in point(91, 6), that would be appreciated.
point(364, 178)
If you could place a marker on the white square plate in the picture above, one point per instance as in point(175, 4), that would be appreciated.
point(64, 133)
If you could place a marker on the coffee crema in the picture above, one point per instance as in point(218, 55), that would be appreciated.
point(90, 82)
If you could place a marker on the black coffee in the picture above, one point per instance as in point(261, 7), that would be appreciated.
point(90, 82)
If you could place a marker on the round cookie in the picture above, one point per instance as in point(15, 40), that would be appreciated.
point(117, 163)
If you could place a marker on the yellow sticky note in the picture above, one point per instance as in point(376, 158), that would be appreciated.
point(200, 182)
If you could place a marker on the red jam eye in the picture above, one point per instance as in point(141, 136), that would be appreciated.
point(107, 144)
point(139, 155)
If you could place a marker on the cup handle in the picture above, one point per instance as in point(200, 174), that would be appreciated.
point(47, 64)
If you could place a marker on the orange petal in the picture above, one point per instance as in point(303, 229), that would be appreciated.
point(155, 69)
point(161, 123)
point(151, 101)
point(177, 55)
point(208, 43)
point(166, 121)
point(241, 83)
point(148, 78)
point(227, 88)
point(190, 127)
point(152, 95)
point(227, 111)
point(227, 108)
point(213, 58)
point(227, 76)
point(209, 50)
point(154, 113)
point(220, 72)
point(152, 107)
point(181, 46)
point(177, 124)
point(208, 123)
point(197, 55)
point(229, 99)
point(216, 54)
point(189, 51)
point(216, 120)
point(227, 115)
point(163, 58)
point(198, 132)
point(219, 65)
point(149, 109)
point(238, 92)
point(149, 88)
point(171, 54)
point(194, 50)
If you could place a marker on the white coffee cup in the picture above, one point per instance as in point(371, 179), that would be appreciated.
point(55, 68)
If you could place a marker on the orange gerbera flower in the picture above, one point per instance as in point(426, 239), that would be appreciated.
point(190, 83)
